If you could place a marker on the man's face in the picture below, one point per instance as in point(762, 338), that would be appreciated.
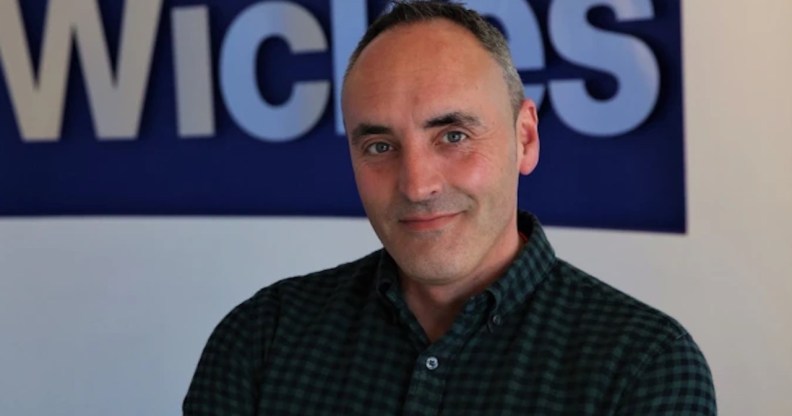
point(436, 150)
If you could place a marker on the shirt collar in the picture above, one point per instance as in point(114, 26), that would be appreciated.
point(528, 269)
point(516, 284)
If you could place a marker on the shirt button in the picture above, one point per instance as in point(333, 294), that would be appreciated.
point(496, 320)
point(432, 363)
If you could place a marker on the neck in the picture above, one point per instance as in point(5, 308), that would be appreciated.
point(437, 306)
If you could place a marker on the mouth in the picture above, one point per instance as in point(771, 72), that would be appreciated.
point(428, 222)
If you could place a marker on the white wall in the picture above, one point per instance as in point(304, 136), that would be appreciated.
point(108, 316)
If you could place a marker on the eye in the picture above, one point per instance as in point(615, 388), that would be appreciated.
point(454, 136)
point(377, 148)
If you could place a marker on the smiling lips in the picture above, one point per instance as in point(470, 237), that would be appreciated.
point(430, 222)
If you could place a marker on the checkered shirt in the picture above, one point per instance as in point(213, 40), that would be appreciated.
point(544, 339)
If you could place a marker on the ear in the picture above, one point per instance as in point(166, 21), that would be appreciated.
point(527, 137)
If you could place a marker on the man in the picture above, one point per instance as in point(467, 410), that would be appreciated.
point(466, 310)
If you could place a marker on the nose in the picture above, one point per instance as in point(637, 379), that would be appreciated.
point(420, 176)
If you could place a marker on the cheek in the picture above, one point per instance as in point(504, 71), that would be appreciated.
point(488, 177)
point(475, 172)
point(372, 185)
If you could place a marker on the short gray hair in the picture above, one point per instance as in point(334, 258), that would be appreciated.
point(412, 11)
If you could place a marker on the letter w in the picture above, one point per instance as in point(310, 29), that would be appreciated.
point(116, 99)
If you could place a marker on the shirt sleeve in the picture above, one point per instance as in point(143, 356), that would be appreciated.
point(225, 379)
point(677, 381)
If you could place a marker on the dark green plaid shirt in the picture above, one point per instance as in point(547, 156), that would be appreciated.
point(545, 339)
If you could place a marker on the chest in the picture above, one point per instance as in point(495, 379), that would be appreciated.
point(365, 367)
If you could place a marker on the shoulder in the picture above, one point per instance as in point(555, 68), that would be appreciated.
point(603, 324)
point(246, 333)
point(304, 295)
point(235, 352)
point(600, 307)
point(651, 354)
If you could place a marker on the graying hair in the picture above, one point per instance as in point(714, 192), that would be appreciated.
point(412, 11)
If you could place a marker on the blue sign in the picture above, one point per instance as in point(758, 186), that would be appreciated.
point(228, 107)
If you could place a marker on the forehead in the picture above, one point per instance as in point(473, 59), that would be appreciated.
point(423, 67)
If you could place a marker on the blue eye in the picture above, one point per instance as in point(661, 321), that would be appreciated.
point(377, 148)
point(454, 136)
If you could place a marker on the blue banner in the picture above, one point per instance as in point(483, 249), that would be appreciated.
point(227, 107)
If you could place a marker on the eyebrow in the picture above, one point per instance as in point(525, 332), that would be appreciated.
point(456, 118)
point(366, 129)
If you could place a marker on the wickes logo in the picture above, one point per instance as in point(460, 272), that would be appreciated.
point(116, 92)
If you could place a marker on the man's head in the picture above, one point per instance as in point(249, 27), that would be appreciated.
point(438, 141)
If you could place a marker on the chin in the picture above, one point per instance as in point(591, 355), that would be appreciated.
point(434, 269)
point(427, 256)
